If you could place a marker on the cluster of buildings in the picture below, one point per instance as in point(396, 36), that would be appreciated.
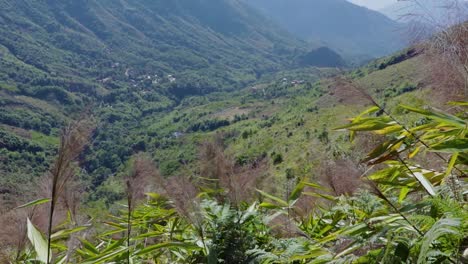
point(293, 82)
point(129, 74)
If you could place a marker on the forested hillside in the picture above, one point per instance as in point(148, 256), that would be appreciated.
point(133, 57)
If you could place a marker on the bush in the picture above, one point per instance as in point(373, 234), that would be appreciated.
point(277, 158)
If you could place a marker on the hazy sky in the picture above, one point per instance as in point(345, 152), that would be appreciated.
point(373, 4)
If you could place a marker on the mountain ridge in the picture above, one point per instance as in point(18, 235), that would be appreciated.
point(346, 27)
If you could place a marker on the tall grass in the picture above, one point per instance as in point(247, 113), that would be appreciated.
point(73, 140)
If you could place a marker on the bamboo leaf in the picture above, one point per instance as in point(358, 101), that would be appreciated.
point(166, 245)
point(296, 193)
point(381, 149)
point(311, 253)
point(89, 247)
point(319, 195)
point(64, 233)
point(414, 152)
point(38, 242)
point(450, 146)
point(34, 203)
point(367, 125)
point(370, 110)
point(104, 258)
point(114, 245)
point(425, 183)
point(459, 103)
point(451, 164)
point(389, 130)
point(453, 120)
point(403, 193)
point(274, 198)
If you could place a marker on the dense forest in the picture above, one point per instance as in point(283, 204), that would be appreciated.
point(200, 131)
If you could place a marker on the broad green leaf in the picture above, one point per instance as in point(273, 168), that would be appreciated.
point(38, 242)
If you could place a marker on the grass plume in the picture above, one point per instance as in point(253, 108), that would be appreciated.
point(73, 140)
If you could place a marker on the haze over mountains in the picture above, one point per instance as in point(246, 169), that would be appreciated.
point(373, 4)
point(435, 12)
point(350, 29)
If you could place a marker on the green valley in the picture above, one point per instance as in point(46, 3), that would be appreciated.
point(202, 131)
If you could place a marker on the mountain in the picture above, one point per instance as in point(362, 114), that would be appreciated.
point(127, 60)
point(103, 39)
point(322, 57)
point(341, 25)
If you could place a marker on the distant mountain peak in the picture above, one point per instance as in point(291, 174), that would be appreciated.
point(339, 24)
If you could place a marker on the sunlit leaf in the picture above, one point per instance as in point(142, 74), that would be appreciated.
point(38, 242)
point(425, 183)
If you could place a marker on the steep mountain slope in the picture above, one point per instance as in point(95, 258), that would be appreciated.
point(147, 68)
point(351, 29)
point(127, 59)
point(284, 123)
point(84, 38)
